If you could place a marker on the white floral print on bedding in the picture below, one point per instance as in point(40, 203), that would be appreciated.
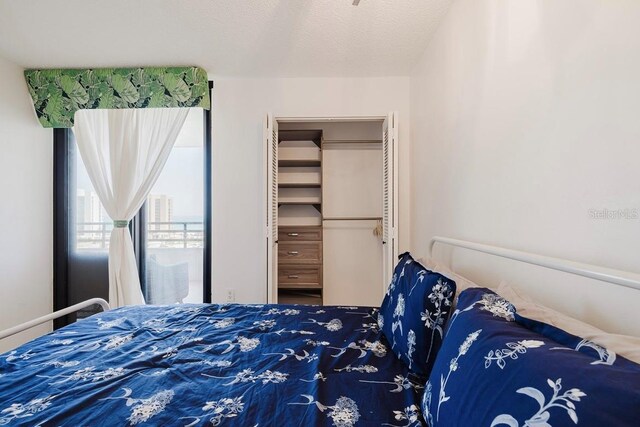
point(65, 341)
point(366, 327)
point(398, 314)
point(511, 352)
point(453, 366)
point(108, 324)
point(265, 325)
point(283, 331)
point(316, 343)
point(411, 346)
point(541, 418)
point(367, 369)
point(13, 355)
point(440, 296)
point(606, 356)
point(160, 325)
point(316, 377)
point(285, 311)
point(118, 341)
point(249, 376)
point(62, 363)
point(344, 413)
point(244, 344)
point(166, 352)
point(305, 355)
point(88, 374)
point(219, 410)
point(400, 381)
point(145, 408)
point(410, 415)
point(222, 323)
point(376, 347)
point(426, 403)
point(392, 285)
point(420, 279)
point(25, 410)
point(215, 363)
point(332, 325)
point(380, 321)
point(492, 303)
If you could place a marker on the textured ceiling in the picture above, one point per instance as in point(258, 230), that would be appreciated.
point(230, 38)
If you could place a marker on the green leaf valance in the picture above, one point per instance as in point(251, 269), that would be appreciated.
point(58, 94)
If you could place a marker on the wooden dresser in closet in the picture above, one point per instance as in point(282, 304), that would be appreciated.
point(300, 264)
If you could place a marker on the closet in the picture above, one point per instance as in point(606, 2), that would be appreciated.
point(331, 209)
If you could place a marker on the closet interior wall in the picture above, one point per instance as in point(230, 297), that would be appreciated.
point(329, 212)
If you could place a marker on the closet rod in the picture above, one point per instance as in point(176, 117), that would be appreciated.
point(354, 218)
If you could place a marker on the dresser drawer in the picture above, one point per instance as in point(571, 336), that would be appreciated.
point(292, 234)
point(299, 253)
point(299, 277)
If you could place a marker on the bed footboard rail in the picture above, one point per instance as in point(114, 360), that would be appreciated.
point(49, 317)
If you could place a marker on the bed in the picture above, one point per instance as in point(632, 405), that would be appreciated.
point(215, 365)
point(417, 360)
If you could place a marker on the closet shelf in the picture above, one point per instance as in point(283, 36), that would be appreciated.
point(297, 177)
point(298, 185)
point(297, 202)
point(299, 196)
point(314, 135)
point(299, 153)
point(299, 162)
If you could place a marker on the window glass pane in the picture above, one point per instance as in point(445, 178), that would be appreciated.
point(89, 229)
point(92, 224)
point(174, 218)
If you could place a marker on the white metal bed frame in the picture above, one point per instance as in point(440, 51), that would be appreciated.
point(49, 317)
point(617, 277)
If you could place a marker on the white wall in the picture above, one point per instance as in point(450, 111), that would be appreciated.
point(239, 107)
point(25, 209)
point(524, 117)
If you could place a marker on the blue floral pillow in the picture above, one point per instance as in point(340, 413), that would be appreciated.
point(496, 368)
point(414, 311)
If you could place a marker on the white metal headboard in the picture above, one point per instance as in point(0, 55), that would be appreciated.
point(618, 277)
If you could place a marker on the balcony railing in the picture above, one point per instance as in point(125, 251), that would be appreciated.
point(160, 235)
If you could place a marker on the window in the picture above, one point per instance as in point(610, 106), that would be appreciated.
point(174, 232)
point(92, 223)
point(171, 233)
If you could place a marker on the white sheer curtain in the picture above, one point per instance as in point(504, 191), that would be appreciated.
point(124, 152)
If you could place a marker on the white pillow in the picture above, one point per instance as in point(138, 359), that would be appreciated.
point(462, 282)
point(624, 345)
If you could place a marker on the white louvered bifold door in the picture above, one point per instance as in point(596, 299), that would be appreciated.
point(271, 154)
point(389, 197)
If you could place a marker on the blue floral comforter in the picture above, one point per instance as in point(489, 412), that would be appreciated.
point(187, 365)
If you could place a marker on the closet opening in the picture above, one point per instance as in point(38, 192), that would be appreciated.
point(331, 209)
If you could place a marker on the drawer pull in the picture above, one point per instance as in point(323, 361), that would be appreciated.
point(293, 234)
point(293, 276)
point(293, 252)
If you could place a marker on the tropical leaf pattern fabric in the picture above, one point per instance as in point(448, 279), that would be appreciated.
point(497, 368)
point(58, 93)
point(206, 364)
